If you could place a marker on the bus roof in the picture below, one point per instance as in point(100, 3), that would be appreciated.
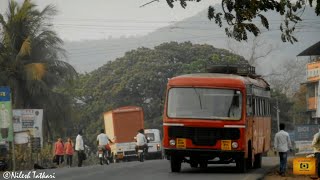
point(227, 80)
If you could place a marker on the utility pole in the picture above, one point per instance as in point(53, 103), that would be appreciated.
point(278, 119)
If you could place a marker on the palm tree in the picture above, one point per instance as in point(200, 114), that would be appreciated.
point(31, 57)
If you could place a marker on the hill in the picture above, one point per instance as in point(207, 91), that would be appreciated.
point(87, 56)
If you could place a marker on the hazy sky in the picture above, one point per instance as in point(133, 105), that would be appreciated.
point(101, 19)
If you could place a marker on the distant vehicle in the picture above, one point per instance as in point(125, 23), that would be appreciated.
point(121, 125)
point(154, 145)
point(217, 118)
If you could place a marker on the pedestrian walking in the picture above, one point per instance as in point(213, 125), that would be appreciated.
point(59, 151)
point(69, 151)
point(282, 144)
point(80, 148)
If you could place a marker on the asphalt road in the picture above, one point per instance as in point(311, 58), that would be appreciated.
point(152, 170)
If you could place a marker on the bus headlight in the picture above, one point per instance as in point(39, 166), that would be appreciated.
point(172, 142)
point(234, 145)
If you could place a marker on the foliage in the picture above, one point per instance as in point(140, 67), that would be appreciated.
point(299, 110)
point(139, 78)
point(31, 61)
point(239, 16)
point(285, 105)
point(23, 157)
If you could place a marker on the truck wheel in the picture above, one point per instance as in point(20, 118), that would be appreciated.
point(257, 161)
point(175, 164)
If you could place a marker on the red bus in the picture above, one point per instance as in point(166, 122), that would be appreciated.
point(217, 118)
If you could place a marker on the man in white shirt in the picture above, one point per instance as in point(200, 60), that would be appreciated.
point(141, 141)
point(79, 148)
point(103, 141)
point(282, 144)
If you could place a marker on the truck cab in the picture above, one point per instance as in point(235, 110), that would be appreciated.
point(154, 143)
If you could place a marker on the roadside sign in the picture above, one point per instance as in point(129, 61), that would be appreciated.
point(303, 147)
point(305, 132)
point(6, 129)
point(304, 166)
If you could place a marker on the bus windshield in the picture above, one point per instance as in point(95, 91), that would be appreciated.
point(204, 103)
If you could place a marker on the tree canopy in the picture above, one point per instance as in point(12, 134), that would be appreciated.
point(240, 14)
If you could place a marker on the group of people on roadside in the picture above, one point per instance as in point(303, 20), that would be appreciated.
point(282, 145)
point(68, 148)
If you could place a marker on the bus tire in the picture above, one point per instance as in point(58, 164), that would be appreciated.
point(193, 164)
point(257, 161)
point(204, 165)
point(249, 159)
point(175, 164)
point(241, 164)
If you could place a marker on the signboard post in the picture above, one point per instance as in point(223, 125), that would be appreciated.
point(35, 144)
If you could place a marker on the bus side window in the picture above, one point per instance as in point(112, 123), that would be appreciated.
point(259, 106)
point(254, 108)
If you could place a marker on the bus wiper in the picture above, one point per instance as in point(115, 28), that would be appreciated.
point(198, 97)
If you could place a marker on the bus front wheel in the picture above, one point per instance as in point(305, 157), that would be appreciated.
point(257, 161)
point(241, 164)
point(175, 164)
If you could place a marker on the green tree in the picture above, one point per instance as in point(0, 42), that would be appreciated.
point(239, 15)
point(31, 59)
point(299, 110)
point(285, 106)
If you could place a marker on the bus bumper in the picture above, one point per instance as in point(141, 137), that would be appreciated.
point(205, 154)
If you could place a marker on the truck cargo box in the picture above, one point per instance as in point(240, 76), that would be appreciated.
point(123, 123)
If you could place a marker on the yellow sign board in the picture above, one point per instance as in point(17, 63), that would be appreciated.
point(181, 143)
point(226, 145)
point(304, 166)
